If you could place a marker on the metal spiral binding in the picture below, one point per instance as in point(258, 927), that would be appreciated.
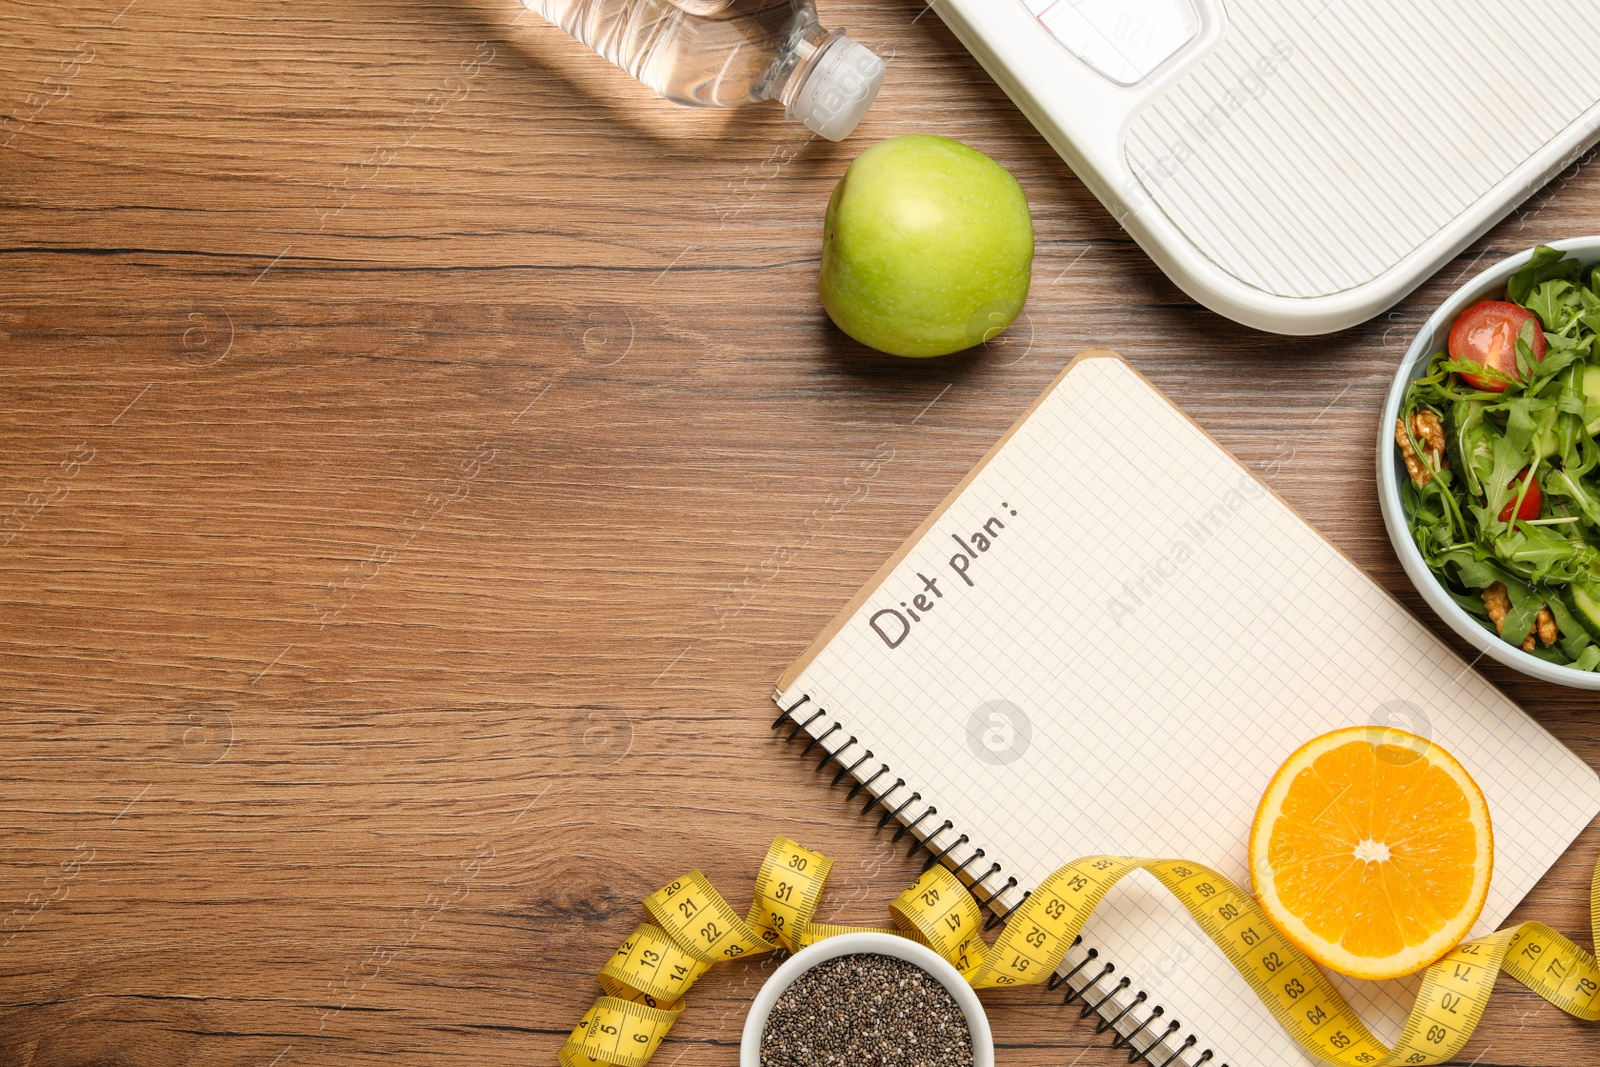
point(961, 868)
point(936, 858)
point(815, 741)
point(926, 841)
point(788, 713)
point(802, 725)
point(911, 827)
point(879, 798)
point(1122, 984)
point(1109, 1022)
point(1011, 883)
point(1134, 1054)
point(1056, 979)
point(1127, 1039)
point(829, 757)
point(1078, 994)
point(995, 919)
point(864, 782)
point(846, 771)
point(889, 816)
point(923, 844)
point(1188, 1043)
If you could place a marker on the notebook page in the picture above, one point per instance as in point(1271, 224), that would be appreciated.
point(1121, 636)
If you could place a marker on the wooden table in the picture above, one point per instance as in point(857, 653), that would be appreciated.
point(422, 451)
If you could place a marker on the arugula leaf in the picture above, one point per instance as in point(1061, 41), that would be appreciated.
point(1590, 319)
point(1525, 359)
point(1574, 638)
point(1526, 418)
point(1562, 353)
point(1498, 482)
point(1539, 555)
point(1467, 444)
point(1563, 484)
point(1471, 570)
point(1589, 449)
point(1546, 263)
point(1557, 304)
point(1571, 399)
point(1471, 603)
point(1493, 374)
point(1525, 604)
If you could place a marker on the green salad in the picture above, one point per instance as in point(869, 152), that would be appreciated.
point(1498, 438)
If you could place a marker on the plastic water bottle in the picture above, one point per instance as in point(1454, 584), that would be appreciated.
point(728, 53)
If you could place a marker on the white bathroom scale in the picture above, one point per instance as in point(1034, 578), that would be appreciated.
point(1300, 165)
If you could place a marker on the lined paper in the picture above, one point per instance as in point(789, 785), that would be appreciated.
point(1134, 637)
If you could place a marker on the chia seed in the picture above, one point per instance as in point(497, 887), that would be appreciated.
point(866, 1010)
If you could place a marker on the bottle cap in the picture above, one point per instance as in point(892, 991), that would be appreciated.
point(840, 88)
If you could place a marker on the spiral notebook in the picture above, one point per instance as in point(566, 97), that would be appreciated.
point(1106, 640)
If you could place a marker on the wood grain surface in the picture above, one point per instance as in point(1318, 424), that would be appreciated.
point(421, 451)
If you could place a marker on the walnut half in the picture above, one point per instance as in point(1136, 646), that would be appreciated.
point(1497, 599)
point(1547, 630)
point(1428, 431)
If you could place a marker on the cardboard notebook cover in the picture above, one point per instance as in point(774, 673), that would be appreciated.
point(1106, 640)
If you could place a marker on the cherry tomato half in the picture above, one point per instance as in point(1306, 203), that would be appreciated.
point(1530, 503)
point(1487, 334)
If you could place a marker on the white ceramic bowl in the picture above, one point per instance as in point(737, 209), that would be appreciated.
point(1391, 469)
point(881, 944)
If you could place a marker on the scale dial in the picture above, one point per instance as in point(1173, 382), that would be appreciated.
point(1122, 39)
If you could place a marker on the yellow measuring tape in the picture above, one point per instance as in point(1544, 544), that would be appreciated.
point(691, 927)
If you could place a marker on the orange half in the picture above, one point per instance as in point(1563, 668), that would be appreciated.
point(1372, 851)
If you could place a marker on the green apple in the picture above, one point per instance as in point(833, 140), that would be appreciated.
point(928, 248)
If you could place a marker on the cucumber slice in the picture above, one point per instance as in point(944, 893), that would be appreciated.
point(1591, 399)
point(1586, 605)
